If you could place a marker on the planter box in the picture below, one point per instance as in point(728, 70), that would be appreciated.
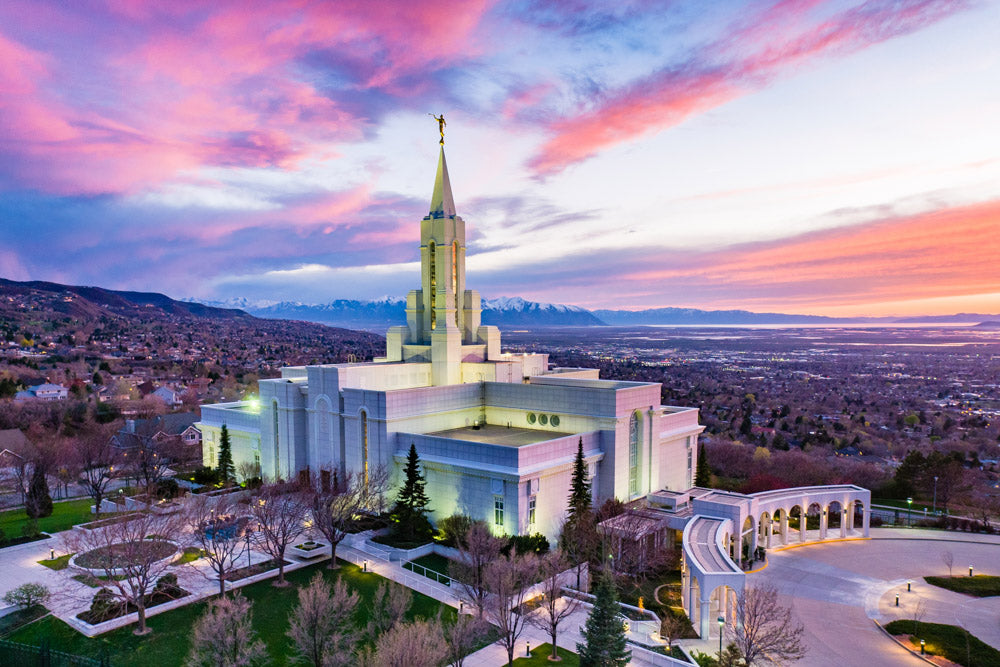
point(320, 549)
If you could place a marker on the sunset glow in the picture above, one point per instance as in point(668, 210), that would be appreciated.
point(802, 156)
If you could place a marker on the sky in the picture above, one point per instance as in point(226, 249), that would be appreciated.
point(801, 156)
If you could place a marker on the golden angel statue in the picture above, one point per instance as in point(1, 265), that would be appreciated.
point(441, 125)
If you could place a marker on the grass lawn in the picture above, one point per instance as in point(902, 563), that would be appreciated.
point(190, 555)
point(980, 586)
point(540, 656)
point(57, 563)
point(434, 563)
point(64, 516)
point(170, 640)
point(949, 641)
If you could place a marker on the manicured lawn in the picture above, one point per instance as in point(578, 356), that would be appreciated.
point(949, 641)
point(433, 563)
point(170, 640)
point(540, 656)
point(64, 516)
point(57, 563)
point(980, 586)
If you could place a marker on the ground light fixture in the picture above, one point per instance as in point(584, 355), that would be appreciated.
point(365, 565)
point(922, 651)
point(897, 599)
point(908, 585)
point(970, 570)
point(527, 649)
point(52, 553)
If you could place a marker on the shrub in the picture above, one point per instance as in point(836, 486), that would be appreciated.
point(452, 529)
point(523, 544)
point(3, 538)
point(167, 585)
point(104, 606)
point(29, 529)
point(27, 595)
point(167, 489)
point(205, 475)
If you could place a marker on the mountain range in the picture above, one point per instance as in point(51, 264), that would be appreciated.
point(514, 311)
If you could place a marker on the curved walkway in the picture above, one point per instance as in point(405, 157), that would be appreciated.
point(837, 590)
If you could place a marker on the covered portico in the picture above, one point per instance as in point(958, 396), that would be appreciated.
point(710, 580)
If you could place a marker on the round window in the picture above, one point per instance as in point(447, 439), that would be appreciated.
point(543, 419)
point(531, 417)
point(554, 420)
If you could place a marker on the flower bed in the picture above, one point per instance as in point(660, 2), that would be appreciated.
point(256, 568)
point(119, 609)
point(308, 549)
point(116, 556)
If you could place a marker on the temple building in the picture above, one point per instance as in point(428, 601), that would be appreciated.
point(496, 432)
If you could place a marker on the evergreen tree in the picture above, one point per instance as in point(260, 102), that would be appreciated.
point(703, 473)
point(225, 467)
point(38, 502)
point(410, 513)
point(604, 634)
point(579, 495)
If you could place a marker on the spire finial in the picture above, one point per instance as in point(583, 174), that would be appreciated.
point(441, 125)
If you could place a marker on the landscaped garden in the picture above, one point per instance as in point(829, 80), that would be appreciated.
point(116, 556)
point(980, 586)
point(540, 656)
point(170, 640)
point(949, 641)
point(15, 523)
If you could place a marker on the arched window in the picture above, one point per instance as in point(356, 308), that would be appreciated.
point(634, 435)
point(364, 448)
point(432, 270)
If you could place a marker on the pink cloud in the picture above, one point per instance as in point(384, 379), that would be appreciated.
point(769, 44)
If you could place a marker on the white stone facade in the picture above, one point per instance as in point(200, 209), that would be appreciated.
point(496, 433)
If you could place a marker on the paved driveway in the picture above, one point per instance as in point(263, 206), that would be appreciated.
point(837, 588)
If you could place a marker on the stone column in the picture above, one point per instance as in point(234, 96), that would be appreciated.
point(705, 617)
point(802, 525)
point(866, 520)
point(784, 527)
point(822, 523)
point(843, 523)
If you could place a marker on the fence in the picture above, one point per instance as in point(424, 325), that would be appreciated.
point(434, 575)
point(13, 654)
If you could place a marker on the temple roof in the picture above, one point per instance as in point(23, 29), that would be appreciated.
point(442, 202)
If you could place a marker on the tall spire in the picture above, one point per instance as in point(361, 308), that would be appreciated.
point(442, 202)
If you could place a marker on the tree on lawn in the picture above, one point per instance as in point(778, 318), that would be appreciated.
point(388, 609)
point(604, 634)
point(476, 551)
point(409, 516)
point(280, 512)
point(765, 631)
point(38, 502)
point(213, 529)
point(462, 637)
point(509, 580)
point(322, 625)
point(555, 607)
point(703, 473)
point(224, 636)
point(417, 644)
point(99, 462)
point(335, 502)
point(131, 556)
point(225, 467)
point(27, 595)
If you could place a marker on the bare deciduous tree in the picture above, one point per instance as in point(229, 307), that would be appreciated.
point(417, 644)
point(462, 636)
point(215, 528)
point(224, 636)
point(765, 631)
point(322, 624)
point(99, 462)
point(508, 579)
point(475, 553)
point(553, 568)
point(280, 512)
point(948, 558)
point(130, 556)
point(389, 606)
point(336, 502)
point(671, 628)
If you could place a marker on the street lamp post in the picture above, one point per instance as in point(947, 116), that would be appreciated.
point(934, 506)
point(909, 512)
point(722, 624)
point(247, 533)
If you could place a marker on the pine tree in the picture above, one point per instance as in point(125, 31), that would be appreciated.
point(703, 475)
point(410, 513)
point(225, 467)
point(604, 633)
point(38, 502)
point(579, 495)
